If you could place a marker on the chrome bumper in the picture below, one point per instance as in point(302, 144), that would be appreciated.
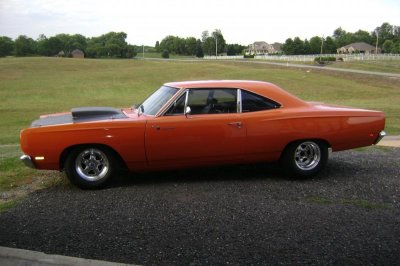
point(26, 159)
point(380, 137)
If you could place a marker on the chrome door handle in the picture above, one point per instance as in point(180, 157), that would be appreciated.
point(237, 124)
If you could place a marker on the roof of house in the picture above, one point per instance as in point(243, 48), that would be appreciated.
point(277, 46)
point(77, 51)
point(360, 46)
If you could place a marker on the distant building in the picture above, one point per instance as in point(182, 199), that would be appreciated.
point(77, 54)
point(60, 54)
point(358, 47)
point(277, 47)
point(262, 48)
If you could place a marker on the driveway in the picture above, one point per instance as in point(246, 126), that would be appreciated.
point(349, 214)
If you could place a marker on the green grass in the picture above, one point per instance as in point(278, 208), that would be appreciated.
point(389, 66)
point(33, 86)
point(4, 205)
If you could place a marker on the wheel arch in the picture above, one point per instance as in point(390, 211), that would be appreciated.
point(328, 145)
point(68, 150)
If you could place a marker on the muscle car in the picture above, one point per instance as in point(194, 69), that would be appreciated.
point(198, 123)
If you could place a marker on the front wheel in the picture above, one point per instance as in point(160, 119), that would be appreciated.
point(89, 167)
point(304, 158)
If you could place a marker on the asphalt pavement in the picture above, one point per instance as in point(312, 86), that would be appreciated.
point(244, 214)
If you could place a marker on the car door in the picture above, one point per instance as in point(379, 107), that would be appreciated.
point(211, 132)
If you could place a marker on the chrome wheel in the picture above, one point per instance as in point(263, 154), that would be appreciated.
point(307, 155)
point(92, 164)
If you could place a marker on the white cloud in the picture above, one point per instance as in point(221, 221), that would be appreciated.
point(148, 21)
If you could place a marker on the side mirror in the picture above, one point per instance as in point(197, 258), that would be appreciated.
point(187, 111)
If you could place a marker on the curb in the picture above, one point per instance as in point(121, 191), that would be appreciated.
point(390, 141)
point(13, 256)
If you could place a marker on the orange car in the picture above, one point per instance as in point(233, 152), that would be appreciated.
point(197, 123)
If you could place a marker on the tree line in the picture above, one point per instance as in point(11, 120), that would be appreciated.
point(388, 37)
point(112, 44)
point(209, 44)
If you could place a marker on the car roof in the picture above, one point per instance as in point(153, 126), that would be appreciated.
point(263, 88)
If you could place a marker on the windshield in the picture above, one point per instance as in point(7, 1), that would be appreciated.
point(157, 100)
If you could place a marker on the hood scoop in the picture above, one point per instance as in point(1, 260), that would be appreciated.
point(84, 114)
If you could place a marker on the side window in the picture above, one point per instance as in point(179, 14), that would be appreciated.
point(177, 107)
point(212, 101)
point(252, 102)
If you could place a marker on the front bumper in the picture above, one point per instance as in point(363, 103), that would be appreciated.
point(380, 137)
point(27, 160)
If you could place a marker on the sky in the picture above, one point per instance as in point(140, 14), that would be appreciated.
point(148, 21)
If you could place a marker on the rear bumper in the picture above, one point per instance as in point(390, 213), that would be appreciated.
point(380, 137)
point(26, 159)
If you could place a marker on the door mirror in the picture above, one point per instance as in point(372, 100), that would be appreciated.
point(187, 111)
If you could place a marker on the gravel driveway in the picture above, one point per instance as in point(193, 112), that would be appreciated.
point(350, 214)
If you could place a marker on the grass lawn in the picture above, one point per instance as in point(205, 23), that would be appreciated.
point(33, 86)
point(389, 66)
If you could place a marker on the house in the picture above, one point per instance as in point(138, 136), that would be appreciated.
point(77, 54)
point(358, 47)
point(277, 47)
point(261, 48)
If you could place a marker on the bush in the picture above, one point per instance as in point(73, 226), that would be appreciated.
point(248, 56)
point(325, 59)
point(165, 54)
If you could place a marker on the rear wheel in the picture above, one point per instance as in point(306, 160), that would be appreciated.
point(304, 158)
point(89, 167)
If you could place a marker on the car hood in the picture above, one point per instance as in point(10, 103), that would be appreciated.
point(79, 115)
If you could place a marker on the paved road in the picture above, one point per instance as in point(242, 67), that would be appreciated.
point(322, 68)
point(350, 214)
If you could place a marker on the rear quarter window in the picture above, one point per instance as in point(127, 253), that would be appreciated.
point(252, 102)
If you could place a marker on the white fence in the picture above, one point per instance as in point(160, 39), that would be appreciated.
point(310, 58)
point(223, 57)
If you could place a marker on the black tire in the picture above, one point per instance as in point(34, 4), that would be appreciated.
point(302, 159)
point(90, 166)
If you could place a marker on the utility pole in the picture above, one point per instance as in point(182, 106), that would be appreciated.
point(322, 45)
point(216, 46)
point(143, 50)
point(376, 46)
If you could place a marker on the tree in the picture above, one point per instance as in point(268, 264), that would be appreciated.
point(362, 36)
point(209, 46)
point(199, 49)
point(287, 47)
point(190, 46)
point(388, 46)
point(157, 46)
point(341, 37)
point(165, 54)
point(6, 46)
point(385, 32)
point(221, 43)
point(204, 36)
point(307, 47)
point(330, 46)
point(24, 46)
point(298, 46)
point(234, 49)
point(130, 51)
point(112, 44)
point(315, 45)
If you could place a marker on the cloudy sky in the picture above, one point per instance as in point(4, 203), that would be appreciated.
point(147, 21)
